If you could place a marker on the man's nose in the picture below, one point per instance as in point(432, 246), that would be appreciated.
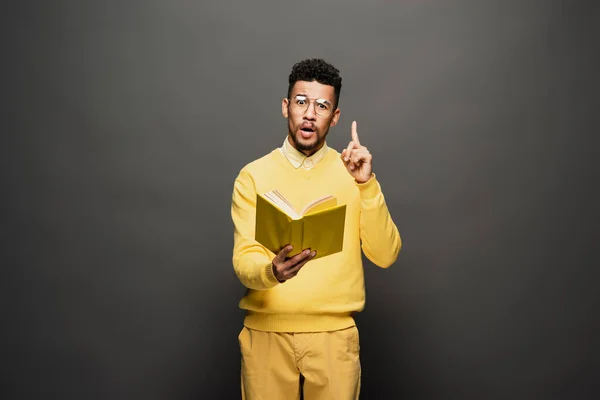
point(310, 112)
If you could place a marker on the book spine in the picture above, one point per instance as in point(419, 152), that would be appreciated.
point(297, 233)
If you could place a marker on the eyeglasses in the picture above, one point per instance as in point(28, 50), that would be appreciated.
point(299, 105)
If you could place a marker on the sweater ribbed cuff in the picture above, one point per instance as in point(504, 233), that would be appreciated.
point(370, 188)
point(270, 275)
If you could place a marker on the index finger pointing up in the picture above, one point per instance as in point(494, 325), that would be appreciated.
point(354, 133)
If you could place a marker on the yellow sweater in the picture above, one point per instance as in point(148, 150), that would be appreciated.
point(326, 292)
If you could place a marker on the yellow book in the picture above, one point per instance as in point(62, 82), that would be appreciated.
point(318, 226)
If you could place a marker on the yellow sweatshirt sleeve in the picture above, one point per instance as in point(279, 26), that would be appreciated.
point(379, 235)
point(251, 261)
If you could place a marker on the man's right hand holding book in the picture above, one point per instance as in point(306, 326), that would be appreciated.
point(285, 268)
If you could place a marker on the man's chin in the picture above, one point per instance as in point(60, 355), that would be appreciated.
point(303, 144)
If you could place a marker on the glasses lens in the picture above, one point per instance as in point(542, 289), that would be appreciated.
point(323, 107)
point(299, 104)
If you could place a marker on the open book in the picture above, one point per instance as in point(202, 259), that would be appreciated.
point(318, 226)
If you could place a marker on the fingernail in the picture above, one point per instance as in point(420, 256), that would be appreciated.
point(306, 252)
point(314, 253)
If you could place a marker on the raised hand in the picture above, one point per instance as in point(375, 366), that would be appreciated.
point(286, 268)
point(357, 159)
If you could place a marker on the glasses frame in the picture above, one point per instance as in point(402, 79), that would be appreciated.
point(314, 103)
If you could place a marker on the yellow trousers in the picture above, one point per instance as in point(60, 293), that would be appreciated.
point(279, 366)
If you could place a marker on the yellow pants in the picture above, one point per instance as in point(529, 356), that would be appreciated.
point(278, 366)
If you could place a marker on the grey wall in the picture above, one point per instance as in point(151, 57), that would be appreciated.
point(125, 123)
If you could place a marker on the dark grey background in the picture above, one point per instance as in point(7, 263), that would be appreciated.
point(126, 122)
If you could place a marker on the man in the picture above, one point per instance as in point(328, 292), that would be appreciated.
point(299, 333)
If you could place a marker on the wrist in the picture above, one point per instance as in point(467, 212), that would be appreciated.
point(271, 273)
point(362, 182)
point(274, 272)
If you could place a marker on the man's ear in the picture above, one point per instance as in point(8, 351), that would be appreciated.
point(284, 107)
point(336, 117)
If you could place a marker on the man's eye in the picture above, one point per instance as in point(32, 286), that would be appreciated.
point(300, 102)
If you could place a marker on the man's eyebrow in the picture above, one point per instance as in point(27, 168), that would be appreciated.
point(319, 98)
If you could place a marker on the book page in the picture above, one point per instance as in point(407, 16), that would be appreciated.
point(322, 203)
point(282, 203)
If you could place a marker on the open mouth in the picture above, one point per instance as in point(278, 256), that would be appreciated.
point(306, 131)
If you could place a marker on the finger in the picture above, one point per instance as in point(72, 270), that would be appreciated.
point(349, 150)
point(352, 157)
point(282, 255)
point(359, 156)
point(292, 274)
point(296, 268)
point(291, 262)
point(293, 271)
point(362, 159)
point(345, 160)
point(355, 133)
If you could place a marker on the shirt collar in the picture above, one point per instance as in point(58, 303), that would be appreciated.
point(299, 159)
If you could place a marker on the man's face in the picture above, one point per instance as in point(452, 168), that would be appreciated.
point(307, 130)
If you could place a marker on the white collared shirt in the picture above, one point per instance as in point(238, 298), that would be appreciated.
point(299, 159)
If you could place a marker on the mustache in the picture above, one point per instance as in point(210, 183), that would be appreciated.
point(308, 125)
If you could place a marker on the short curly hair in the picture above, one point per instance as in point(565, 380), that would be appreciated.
point(316, 69)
